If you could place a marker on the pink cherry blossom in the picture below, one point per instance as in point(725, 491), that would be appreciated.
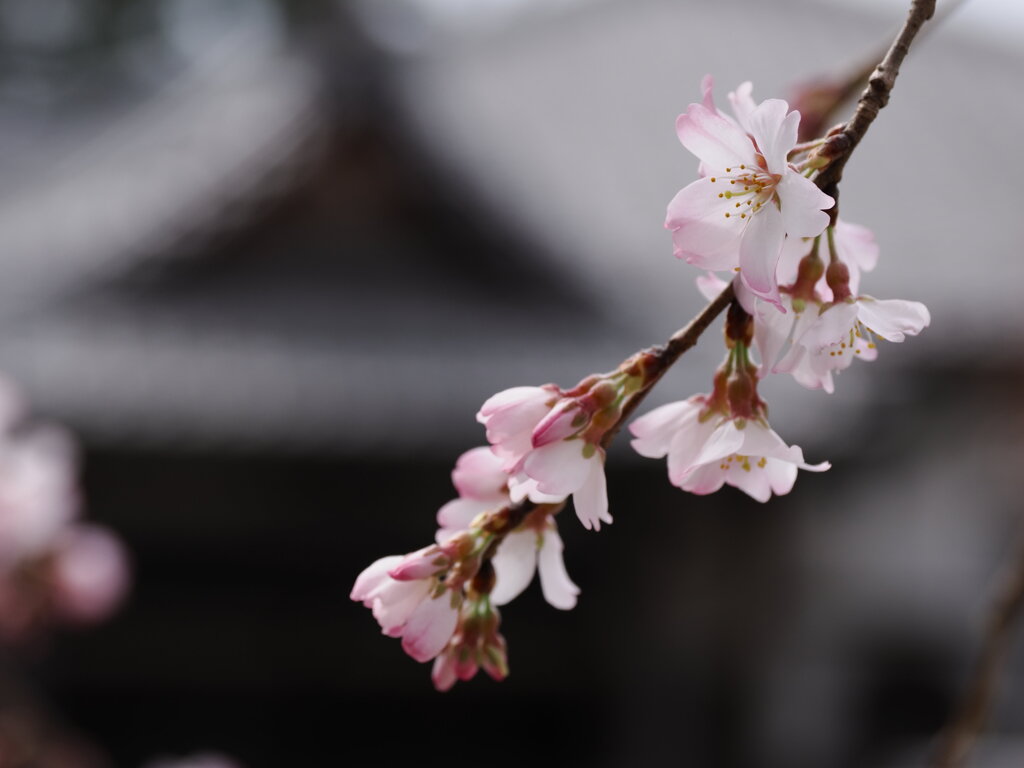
point(201, 760)
point(526, 551)
point(510, 418)
point(90, 574)
point(423, 612)
point(534, 546)
point(828, 340)
point(751, 199)
point(707, 450)
point(476, 644)
point(541, 440)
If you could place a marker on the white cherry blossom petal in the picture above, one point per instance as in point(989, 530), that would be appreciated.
point(760, 246)
point(591, 498)
point(559, 590)
point(774, 131)
point(726, 439)
point(803, 206)
point(430, 627)
point(893, 319)
point(716, 141)
point(514, 565)
point(559, 468)
point(654, 432)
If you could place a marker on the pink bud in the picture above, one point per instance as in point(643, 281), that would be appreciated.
point(90, 574)
point(565, 419)
point(421, 564)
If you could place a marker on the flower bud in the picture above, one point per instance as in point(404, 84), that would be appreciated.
point(565, 419)
point(739, 326)
point(838, 278)
point(421, 564)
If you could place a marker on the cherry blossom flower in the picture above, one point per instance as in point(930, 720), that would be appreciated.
point(422, 611)
point(90, 574)
point(534, 546)
point(201, 760)
point(543, 441)
point(751, 198)
point(828, 340)
point(706, 450)
point(476, 644)
point(510, 418)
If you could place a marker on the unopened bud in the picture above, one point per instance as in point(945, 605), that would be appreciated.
point(742, 394)
point(739, 326)
point(565, 419)
point(808, 273)
point(838, 278)
point(485, 578)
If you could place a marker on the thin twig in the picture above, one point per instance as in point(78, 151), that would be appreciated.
point(834, 92)
point(842, 144)
point(874, 98)
point(963, 731)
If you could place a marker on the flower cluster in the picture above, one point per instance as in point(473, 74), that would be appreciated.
point(53, 567)
point(755, 211)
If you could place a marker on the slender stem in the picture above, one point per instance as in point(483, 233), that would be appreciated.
point(840, 145)
point(836, 92)
point(961, 733)
point(665, 357)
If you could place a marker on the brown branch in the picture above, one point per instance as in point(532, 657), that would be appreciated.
point(818, 100)
point(839, 148)
point(960, 735)
point(840, 145)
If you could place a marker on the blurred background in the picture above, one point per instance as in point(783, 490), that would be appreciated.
point(266, 259)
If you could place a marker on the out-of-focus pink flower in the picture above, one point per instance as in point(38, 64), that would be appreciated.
point(750, 199)
point(422, 611)
point(90, 574)
point(38, 494)
point(202, 760)
point(476, 644)
point(706, 450)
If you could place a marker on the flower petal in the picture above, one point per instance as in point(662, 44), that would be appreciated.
point(710, 285)
point(803, 205)
point(724, 441)
point(559, 590)
point(591, 499)
point(893, 319)
point(373, 577)
point(514, 565)
point(743, 104)
point(459, 513)
point(559, 468)
point(703, 480)
point(760, 246)
point(700, 232)
point(655, 431)
point(687, 445)
point(478, 474)
point(774, 131)
point(717, 141)
point(430, 627)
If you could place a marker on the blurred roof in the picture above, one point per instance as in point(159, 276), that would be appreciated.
point(246, 254)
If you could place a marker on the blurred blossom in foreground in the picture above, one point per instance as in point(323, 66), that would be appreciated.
point(204, 760)
point(53, 568)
